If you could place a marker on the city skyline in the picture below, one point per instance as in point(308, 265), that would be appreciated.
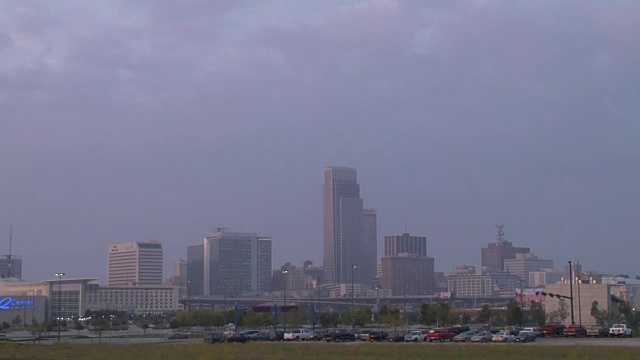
point(128, 121)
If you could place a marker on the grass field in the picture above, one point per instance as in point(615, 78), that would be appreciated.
point(315, 351)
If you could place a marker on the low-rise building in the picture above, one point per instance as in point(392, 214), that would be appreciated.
point(141, 299)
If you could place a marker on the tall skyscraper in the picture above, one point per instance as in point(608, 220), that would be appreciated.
point(344, 239)
point(229, 262)
point(135, 263)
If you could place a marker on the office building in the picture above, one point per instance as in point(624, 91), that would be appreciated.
point(494, 255)
point(487, 285)
point(346, 256)
point(405, 243)
point(141, 299)
point(135, 263)
point(229, 263)
point(406, 269)
point(525, 263)
point(10, 266)
point(370, 248)
point(408, 275)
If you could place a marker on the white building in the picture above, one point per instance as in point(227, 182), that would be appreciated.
point(141, 299)
point(135, 263)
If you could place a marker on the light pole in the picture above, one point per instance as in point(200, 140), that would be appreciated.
point(578, 282)
point(188, 295)
point(33, 305)
point(225, 293)
point(573, 322)
point(284, 298)
point(59, 275)
point(353, 314)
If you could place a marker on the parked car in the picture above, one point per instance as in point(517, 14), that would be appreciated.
point(250, 335)
point(440, 335)
point(525, 336)
point(503, 336)
point(235, 337)
point(377, 336)
point(178, 336)
point(575, 331)
point(213, 338)
point(417, 335)
point(464, 336)
point(533, 329)
point(482, 336)
point(395, 337)
point(457, 329)
point(339, 335)
point(597, 331)
point(277, 335)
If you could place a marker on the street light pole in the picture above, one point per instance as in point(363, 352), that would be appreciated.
point(573, 322)
point(33, 305)
point(225, 293)
point(284, 298)
point(353, 314)
point(578, 282)
point(59, 275)
point(188, 295)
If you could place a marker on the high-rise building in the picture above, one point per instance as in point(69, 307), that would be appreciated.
point(135, 263)
point(346, 258)
point(229, 263)
point(526, 263)
point(405, 243)
point(494, 255)
point(11, 266)
point(406, 269)
point(370, 249)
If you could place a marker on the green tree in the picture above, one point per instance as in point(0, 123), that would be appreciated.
point(443, 313)
point(78, 326)
point(36, 328)
point(100, 324)
point(257, 320)
point(393, 318)
point(428, 313)
point(537, 313)
point(626, 313)
point(514, 313)
point(329, 319)
point(484, 317)
point(16, 321)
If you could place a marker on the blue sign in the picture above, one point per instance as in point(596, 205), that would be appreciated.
point(9, 303)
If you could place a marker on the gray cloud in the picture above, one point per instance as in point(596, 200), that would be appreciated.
point(156, 120)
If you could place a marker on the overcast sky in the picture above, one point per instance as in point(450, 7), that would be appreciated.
point(131, 120)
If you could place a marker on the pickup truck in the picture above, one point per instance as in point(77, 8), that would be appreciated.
point(552, 330)
point(440, 335)
point(299, 334)
point(620, 330)
point(575, 331)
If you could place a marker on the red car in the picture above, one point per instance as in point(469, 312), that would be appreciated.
point(440, 335)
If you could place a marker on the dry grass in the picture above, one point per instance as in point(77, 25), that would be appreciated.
point(313, 351)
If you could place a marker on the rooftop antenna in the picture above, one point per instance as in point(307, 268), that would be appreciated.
point(500, 233)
